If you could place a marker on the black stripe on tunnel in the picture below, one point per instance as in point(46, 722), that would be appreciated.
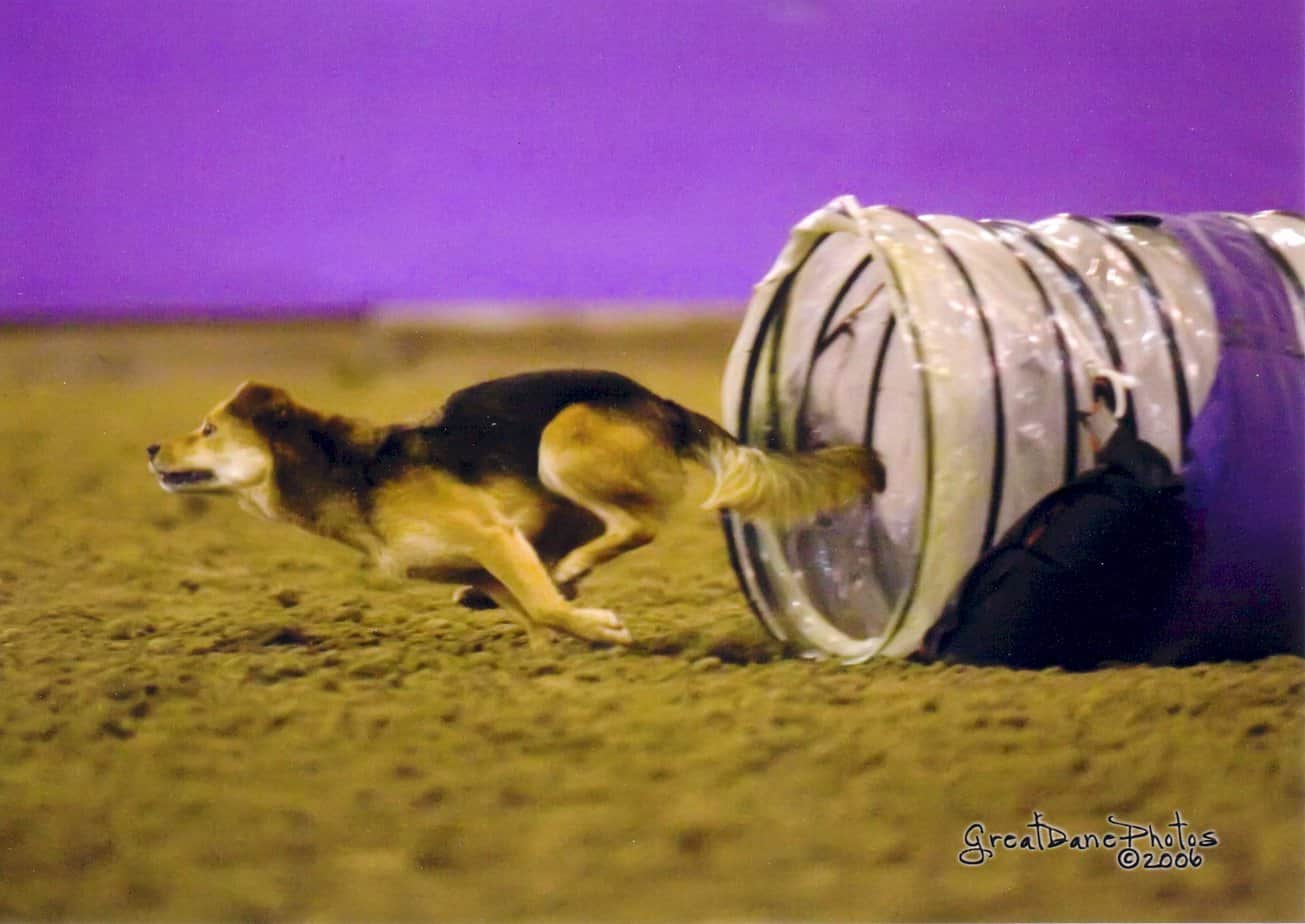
point(876, 377)
point(1156, 300)
point(1084, 292)
point(761, 608)
point(912, 340)
point(1280, 261)
point(823, 340)
point(1070, 465)
point(998, 402)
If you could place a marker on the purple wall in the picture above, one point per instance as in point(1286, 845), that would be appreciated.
point(159, 153)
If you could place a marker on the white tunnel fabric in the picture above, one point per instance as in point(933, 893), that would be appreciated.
point(964, 352)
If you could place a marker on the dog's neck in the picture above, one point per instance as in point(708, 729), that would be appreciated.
point(260, 499)
point(319, 471)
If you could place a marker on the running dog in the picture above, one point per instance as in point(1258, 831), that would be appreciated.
point(517, 487)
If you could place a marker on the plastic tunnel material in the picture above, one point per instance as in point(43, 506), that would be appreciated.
point(964, 352)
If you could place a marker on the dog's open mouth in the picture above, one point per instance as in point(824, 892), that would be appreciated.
point(189, 477)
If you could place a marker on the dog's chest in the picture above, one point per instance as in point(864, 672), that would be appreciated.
point(425, 554)
point(436, 527)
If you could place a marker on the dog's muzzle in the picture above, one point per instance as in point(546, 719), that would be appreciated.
point(185, 478)
point(179, 478)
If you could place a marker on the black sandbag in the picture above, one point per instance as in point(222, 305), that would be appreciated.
point(1088, 575)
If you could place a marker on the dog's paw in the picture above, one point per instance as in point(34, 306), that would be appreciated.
point(595, 625)
point(473, 598)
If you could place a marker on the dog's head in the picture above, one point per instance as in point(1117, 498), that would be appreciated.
point(228, 451)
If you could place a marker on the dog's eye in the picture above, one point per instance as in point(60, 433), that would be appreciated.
point(207, 429)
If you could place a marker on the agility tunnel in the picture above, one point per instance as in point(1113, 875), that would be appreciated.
point(965, 353)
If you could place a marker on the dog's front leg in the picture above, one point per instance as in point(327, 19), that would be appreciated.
point(506, 554)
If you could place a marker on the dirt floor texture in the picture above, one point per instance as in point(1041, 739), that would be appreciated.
point(205, 717)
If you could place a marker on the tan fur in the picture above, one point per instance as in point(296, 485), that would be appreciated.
point(233, 447)
point(787, 489)
point(432, 526)
point(607, 477)
point(616, 467)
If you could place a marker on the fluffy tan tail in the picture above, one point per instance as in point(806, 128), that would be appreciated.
point(782, 488)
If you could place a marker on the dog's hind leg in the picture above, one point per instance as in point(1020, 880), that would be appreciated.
point(625, 531)
point(507, 555)
point(617, 465)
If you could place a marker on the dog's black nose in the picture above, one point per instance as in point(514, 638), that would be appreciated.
point(152, 449)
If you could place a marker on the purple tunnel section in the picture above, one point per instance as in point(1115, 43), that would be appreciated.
point(1244, 477)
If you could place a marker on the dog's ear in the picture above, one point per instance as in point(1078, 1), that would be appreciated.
point(256, 402)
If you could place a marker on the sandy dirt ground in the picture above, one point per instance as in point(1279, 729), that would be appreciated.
point(207, 717)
